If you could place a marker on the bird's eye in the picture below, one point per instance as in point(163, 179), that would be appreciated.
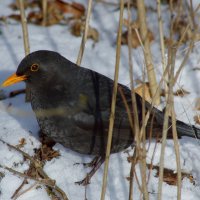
point(34, 67)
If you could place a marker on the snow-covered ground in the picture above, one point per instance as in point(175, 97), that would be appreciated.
point(18, 121)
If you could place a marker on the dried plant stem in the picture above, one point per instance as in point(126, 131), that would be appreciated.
point(133, 174)
point(180, 7)
point(133, 98)
point(150, 107)
point(176, 147)
point(162, 44)
point(24, 27)
point(135, 128)
point(192, 15)
point(147, 53)
point(130, 197)
point(191, 44)
point(174, 131)
point(45, 180)
point(151, 164)
point(26, 39)
point(167, 110)
point(44, 12)
point(84, 37)
point(26, 190)
point(127, 108)
point(164, 137)
point(145, 120)
point(113, 104)
point(170, 110)
point(141, 146)
point(16, 193)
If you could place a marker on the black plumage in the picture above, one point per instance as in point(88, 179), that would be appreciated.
point(72, 105)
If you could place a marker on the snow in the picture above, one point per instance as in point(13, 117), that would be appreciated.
point(17, 119)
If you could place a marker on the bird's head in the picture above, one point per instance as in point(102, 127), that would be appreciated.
point(36, 68)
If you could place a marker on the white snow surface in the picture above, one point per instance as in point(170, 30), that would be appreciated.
point(18, 121)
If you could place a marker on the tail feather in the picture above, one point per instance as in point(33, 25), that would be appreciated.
point(183, 129)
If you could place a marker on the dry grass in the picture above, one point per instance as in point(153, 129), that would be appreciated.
point(113, 104)
point(85, 34)
point(26, 39)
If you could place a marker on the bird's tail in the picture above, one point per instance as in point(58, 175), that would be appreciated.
point(183, 129)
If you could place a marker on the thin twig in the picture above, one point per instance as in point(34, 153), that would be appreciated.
point(24, 27)
point(141, 147)
point(18, 189)
point(126, 107)
point(151, 163)
point(45, 178)
point(85, 34)
point(177, 152)
point(47, 182)
point(113, 104)
point(44, 12)
point(162, 44)
point(26, 40)
point(174, 131)
point(164, 137)
point(26, 190)
point(167, 111)
point(133, 97)
point(135, 127)
point(189, 49)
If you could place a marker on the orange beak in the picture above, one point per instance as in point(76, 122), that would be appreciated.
point(13, 79)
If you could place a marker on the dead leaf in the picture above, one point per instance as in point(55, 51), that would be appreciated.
point(56, 12)
point(143, 91)
point(93, 34)
point(45, 153)
point(16, 17)
point(162, 92)
point(21, 144)
point(169, 176)
point(168, 42)
point(77, 29)
point(27, 4)
point(179, 28)
point(181, 92)
point(76, 9)
point(135, 42)
point(197, 119)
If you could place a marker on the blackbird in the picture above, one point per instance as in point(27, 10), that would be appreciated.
point(72, 106)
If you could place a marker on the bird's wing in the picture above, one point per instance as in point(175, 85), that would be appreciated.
point(96, 103)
